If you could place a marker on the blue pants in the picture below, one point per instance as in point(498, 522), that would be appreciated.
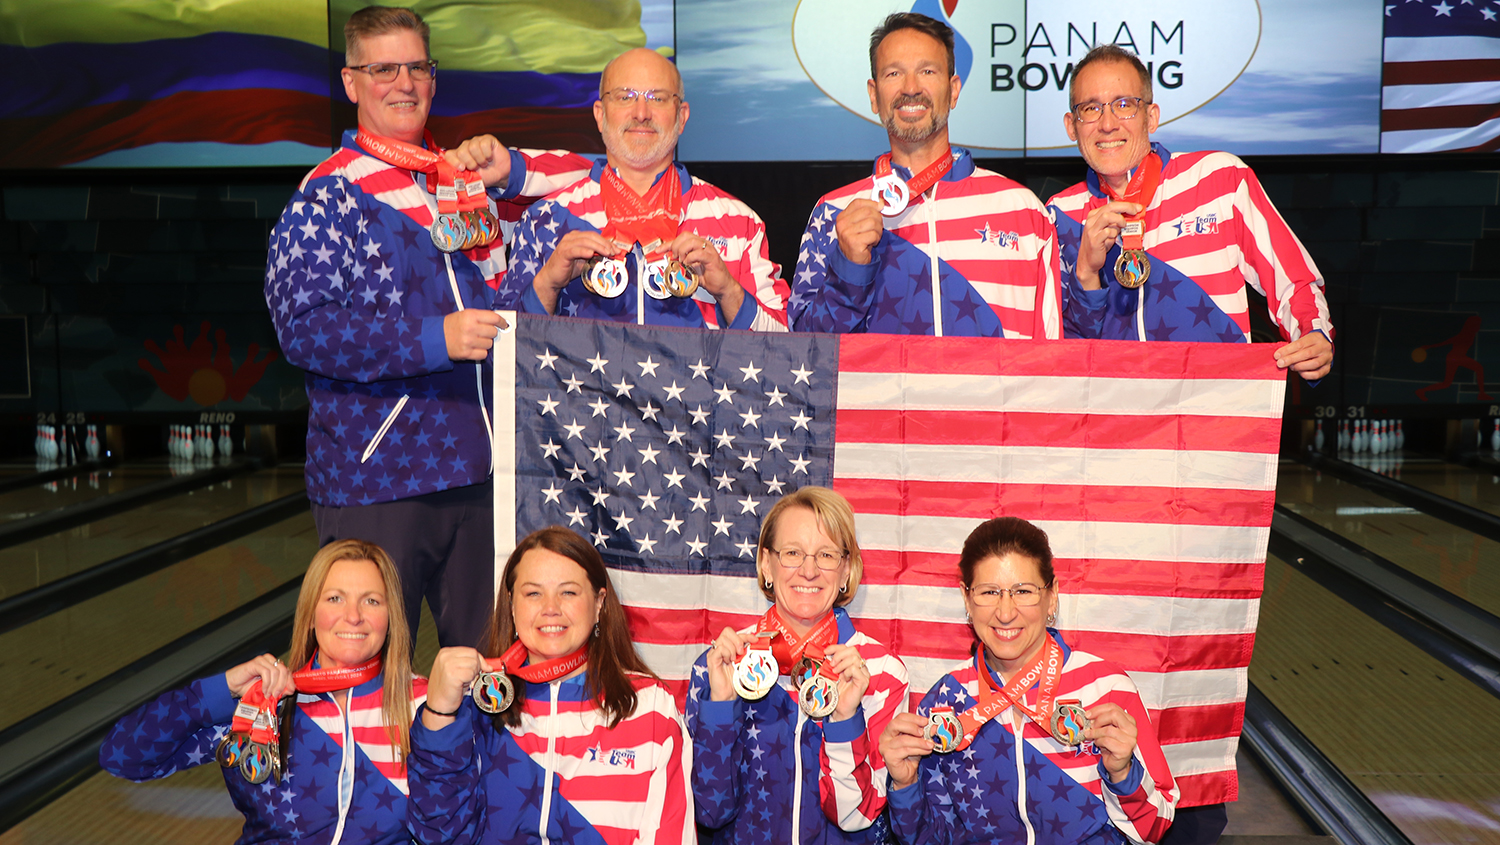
point(444, 547)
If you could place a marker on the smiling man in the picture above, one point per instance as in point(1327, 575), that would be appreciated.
point(928, 243)
point(394, 333)
point(609, 246)
point(1157, 246)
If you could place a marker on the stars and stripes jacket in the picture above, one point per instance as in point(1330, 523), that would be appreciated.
point(733, 228)
point(182, 729)
point(563, 776)
point(358, 293)
point(763, 771)
point(971, 796)
point(987, 239)
point(1212, 222)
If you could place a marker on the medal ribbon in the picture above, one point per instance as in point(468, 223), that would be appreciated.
point(537, 673)
point(457, 190)
point(652, 219)
point(255, 716)
point(1140, 190)
point(924, 180)
point(788, 648)
point(1046, 666)
point(318, 681)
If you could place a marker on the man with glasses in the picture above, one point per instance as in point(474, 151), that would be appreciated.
point(928, 244)
point(394, 332)
point(1157, 246)
point(639, 240)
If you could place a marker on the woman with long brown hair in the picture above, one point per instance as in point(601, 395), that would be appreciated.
point(326, 714)
point(558, 731)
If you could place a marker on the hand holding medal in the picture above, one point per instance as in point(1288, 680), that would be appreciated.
point(1110, 731)
point(464, 219)
point(905, 741)
point(756, 672)
point(1133, 266)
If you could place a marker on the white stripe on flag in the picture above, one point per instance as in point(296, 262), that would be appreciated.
point(1441, 49)
point(1437, 140)
point(1056, 465)
point(1428, 96)
point(1203, 757)
point(503, 419)
point(1082, 539)
point(1059, 394)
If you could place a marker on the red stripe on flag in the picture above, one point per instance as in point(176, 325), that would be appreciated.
point(1063, 430)
point(1437, 117)
point(1209, 788)
point(1059, 502)
point(1440, 72)
point(1171, 361)
point(245, 116)
point(1198, 724)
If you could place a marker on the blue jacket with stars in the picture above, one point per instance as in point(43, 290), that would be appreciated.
point(975, 796)
point(182, 729)
point(358, 293)
point(764, 772)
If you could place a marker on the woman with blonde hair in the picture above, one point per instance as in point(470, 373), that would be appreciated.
point(329, 718)
point(786, 715)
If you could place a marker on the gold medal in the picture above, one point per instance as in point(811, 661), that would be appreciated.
point(1132, 268)
point(231, 749)
point(818, 696)
point(682, 282)
point(256, 765)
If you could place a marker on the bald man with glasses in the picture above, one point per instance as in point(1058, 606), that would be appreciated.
point(639, 240)
point(1157, 246)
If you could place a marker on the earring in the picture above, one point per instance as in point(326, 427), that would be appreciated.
point(596, 630)
point(843, 588)
point(768, 583)
point(1051, 620)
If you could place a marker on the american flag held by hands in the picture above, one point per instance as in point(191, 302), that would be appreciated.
point(1152, 467)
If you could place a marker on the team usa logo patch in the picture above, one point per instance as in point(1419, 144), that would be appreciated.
point(1202, 224)
point(1007, 240)
point(620, 757)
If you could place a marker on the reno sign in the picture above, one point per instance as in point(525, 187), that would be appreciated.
point(1016, 58)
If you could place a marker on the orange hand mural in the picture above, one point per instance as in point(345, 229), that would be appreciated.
point(203, 373)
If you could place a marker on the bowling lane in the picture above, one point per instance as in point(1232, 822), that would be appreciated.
point(60, 654)
point(1459, 561)
point(188, 808)
point(1475, 488)
point(31, 564)
point(1405, 729)
point(31, 501)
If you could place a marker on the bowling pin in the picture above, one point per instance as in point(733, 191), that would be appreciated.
point(171, 441)
point(52, 452)
point(1318, 440)
point(187, 443)
point(1343, 435)
point(203, 445)
point(91, 445)
point(226, 444)
point(1377, 441)
point(1400, 435)
point(1495, 437)
point(36, 444)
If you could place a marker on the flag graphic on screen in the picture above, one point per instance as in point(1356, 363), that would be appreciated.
point(248, 82)
point(1440, 85)
point(1152, 467)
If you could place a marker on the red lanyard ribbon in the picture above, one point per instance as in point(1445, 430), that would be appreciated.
point(651, 220)
point(1046, 667)
point(537, 673)
point(1140, 190)
point(457, 190)
point(317, 681)
point(788, 648)
point(255, 716)
point(922, 181)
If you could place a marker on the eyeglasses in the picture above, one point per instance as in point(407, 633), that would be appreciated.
point(387, 71)
point(1124, 108)
point(826, 560)
point(657, 98)
point(988, 595)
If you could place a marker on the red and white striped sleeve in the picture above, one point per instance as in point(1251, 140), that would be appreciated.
point(549, 171)
point(852, 781)
point(739, 235)
point(1276, 263)
point(668, 817)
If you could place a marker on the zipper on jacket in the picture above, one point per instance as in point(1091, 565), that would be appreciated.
point(346, 764)
point(932, 240)
point(390, 419)
point(797, 778)
point(549, 769)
